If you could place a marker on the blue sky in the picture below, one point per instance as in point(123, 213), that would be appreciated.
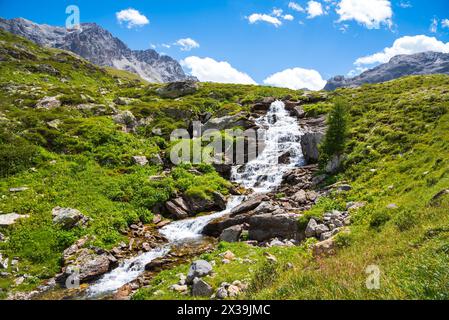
point(307, 38)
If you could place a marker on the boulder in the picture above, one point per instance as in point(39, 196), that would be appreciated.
point(228, 122)
point(267, 226)
point(248, 205)
point(300, 197)
point(197, 204)
point(225, 170)
point(9, 219)
point(4, 262)
point(201, 288)
point(198, 269)
point(87, 265)
point(217, 226)
point(176, 210)
point(334, 164)
point(231, 234)
point(311, 228)
point(284, 158)
point(353, 206)
point(309, 145)
point(68, 218)
point(178, 89)
point(221, 293)
point(126, 119)
point(48, 103)
point(156, 160)
point(324, 248)
point(140, 160)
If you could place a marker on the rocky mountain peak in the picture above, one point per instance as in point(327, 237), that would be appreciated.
point(99, 46)
point(399, 66)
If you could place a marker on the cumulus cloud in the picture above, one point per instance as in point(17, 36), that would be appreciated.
point(187, 44)
point(210, 70)
point(255, 17)
point(405, 45)
point(314, 9)
point(289, 17)
point(295, 6)
point(132, 18)
point(296, 78)
point(434, 25)
point(370, 13)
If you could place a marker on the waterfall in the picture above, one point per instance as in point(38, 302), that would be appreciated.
point(262, 175)
point(282, 137)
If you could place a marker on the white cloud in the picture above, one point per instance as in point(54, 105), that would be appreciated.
point(445, 23)
point(132, 18)
point(405, 45)
point(288, 17)
point(370, 13)
point(434, 25)
point(296, 78)
point(277, 12)
point(208, 69)
point(187, 44)
point(405, 4)
point(255, 17)
point(314, 9)
point(296, 7)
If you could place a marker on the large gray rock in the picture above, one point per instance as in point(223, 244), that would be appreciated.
point(9, 219)
point(177, 211)
point(67, 218)
point(248, 205)
point(217, 226)
point(48, 103)
point(231, 234)
point(201, 288)
point(268, 226)
point(311, 228)
point(399, 66)
point(178, 89)
point(198, 269)
point(140, 160)
point(310, 142)
point(228, 122)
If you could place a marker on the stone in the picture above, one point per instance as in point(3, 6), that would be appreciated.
point(321, 228)
point(233, 291)
point(201, 288)
point(67, 218)
point(324, 248)
point(87, 264)
point(300, 197)
point(175, 210)
point(17, 190)
point(221, 293)
point(179, 288)
point(146, 246)
point(2, 237)
point(309, 145)
point(248, 205)
point(311, 228)
point(229, 255)
point(355, 205)
point(9, 219)
point(284, 158)
point(436, 199)
point(157, 218)
point(140, 160)
point(126, 119)
point(268, 226)
point(270, 257)
point(156, 160)
point(226, 261)
point(344, 187)
point(198, 269)
point(48, 103)
point(4, 262)
point(231, 234)
point(54, 124)
point(225, 170)
point(178, 89)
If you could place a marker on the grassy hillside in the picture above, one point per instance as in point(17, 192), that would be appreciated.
point(397, 153)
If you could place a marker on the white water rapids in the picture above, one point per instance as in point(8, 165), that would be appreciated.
point(262, 175)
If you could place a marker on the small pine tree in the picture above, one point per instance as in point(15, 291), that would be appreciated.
point(334, 141)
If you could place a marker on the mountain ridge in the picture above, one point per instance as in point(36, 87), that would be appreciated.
point(100, 47)
point(423, 63)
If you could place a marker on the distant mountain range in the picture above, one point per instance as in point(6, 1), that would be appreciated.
point(398, 66)
point(100, 47)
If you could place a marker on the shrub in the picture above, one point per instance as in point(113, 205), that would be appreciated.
point(379, 218)
point(17, 157)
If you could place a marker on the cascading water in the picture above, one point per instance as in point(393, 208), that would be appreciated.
point(282, 137)
point(262, 175)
